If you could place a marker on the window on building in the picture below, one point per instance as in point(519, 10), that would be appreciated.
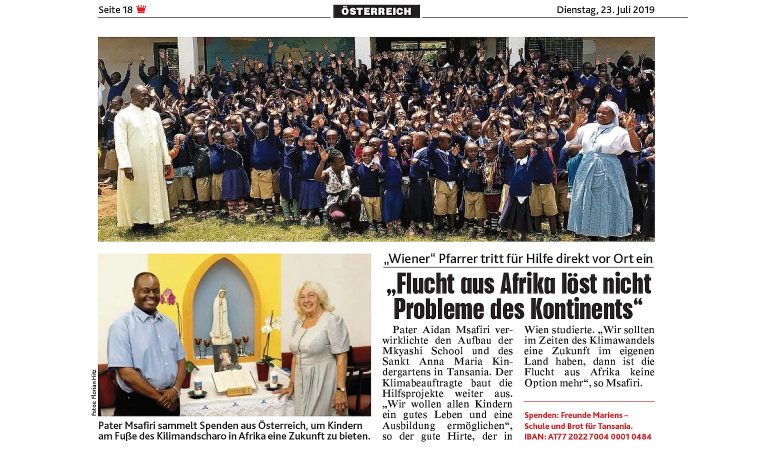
point(171, 51)
point(430, 49)
point(568, 48)
point(500, 45)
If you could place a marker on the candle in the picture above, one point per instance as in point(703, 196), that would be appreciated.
point(198, 385)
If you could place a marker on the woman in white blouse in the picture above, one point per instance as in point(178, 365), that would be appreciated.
point(600, 205)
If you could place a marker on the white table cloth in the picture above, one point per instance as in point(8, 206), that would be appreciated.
point(260, 403)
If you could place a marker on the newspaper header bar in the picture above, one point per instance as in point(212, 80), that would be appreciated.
point(379, 11)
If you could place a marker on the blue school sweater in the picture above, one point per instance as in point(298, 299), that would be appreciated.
point(369, 180)
point(619, 96)
point(522, 176)
point(444, 164)
point(419, 171)
point(543, 166)
point(507, 160)
point(265, 152)
point(392, 167)
point(217, 158)
point(572, 166)
point(116, 90)
point(309, 166)
point(472, 180)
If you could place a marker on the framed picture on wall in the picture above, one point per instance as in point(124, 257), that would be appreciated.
point(225, 357)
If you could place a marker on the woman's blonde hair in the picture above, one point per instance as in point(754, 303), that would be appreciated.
point(317, 288)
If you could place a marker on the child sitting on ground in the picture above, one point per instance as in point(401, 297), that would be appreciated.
point(341, 204)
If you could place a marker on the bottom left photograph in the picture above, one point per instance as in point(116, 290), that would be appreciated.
point(234, 335)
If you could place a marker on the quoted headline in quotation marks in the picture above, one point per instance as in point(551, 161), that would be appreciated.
point(395, 259)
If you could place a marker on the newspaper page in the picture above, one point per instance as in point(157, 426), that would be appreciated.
point(425, 224)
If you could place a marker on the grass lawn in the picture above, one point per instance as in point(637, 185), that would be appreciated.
point(212, 229)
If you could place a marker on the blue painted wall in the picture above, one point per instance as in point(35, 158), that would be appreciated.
point(230, 49)
point(240, 302)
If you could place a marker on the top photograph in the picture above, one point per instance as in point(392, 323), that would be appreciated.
point(460, 139)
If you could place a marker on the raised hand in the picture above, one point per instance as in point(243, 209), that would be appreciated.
point(629, 120)
point(582, 116)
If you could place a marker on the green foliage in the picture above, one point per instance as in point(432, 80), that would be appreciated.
point(268, 361)
point(190, 366)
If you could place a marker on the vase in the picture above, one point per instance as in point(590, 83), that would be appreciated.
point(186, 382)
point(262, 372)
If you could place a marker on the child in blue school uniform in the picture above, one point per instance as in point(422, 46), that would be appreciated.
point(446, 163)
point(370, 174)
point(516, 216)
point(420, 199)
point(290, 176)
point(472, 179)
point(310, 195)
point(235, 183)
point(393, 197)
point(572, 164)
point(493, 178)
point(265, 158)
point(646, 179)
point(217, 167)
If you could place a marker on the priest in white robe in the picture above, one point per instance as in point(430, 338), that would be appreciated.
point(142, 152)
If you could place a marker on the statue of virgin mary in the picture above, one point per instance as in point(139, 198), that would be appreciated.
point(220, 329)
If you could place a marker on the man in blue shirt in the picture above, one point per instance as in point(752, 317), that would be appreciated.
point(145, 350)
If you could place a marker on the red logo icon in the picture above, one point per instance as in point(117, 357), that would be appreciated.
point(141, 9)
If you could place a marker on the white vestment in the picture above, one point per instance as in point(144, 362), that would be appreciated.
point(140, 145)
point(220, 328)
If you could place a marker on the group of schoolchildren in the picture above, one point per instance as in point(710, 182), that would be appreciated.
point(456, 145)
